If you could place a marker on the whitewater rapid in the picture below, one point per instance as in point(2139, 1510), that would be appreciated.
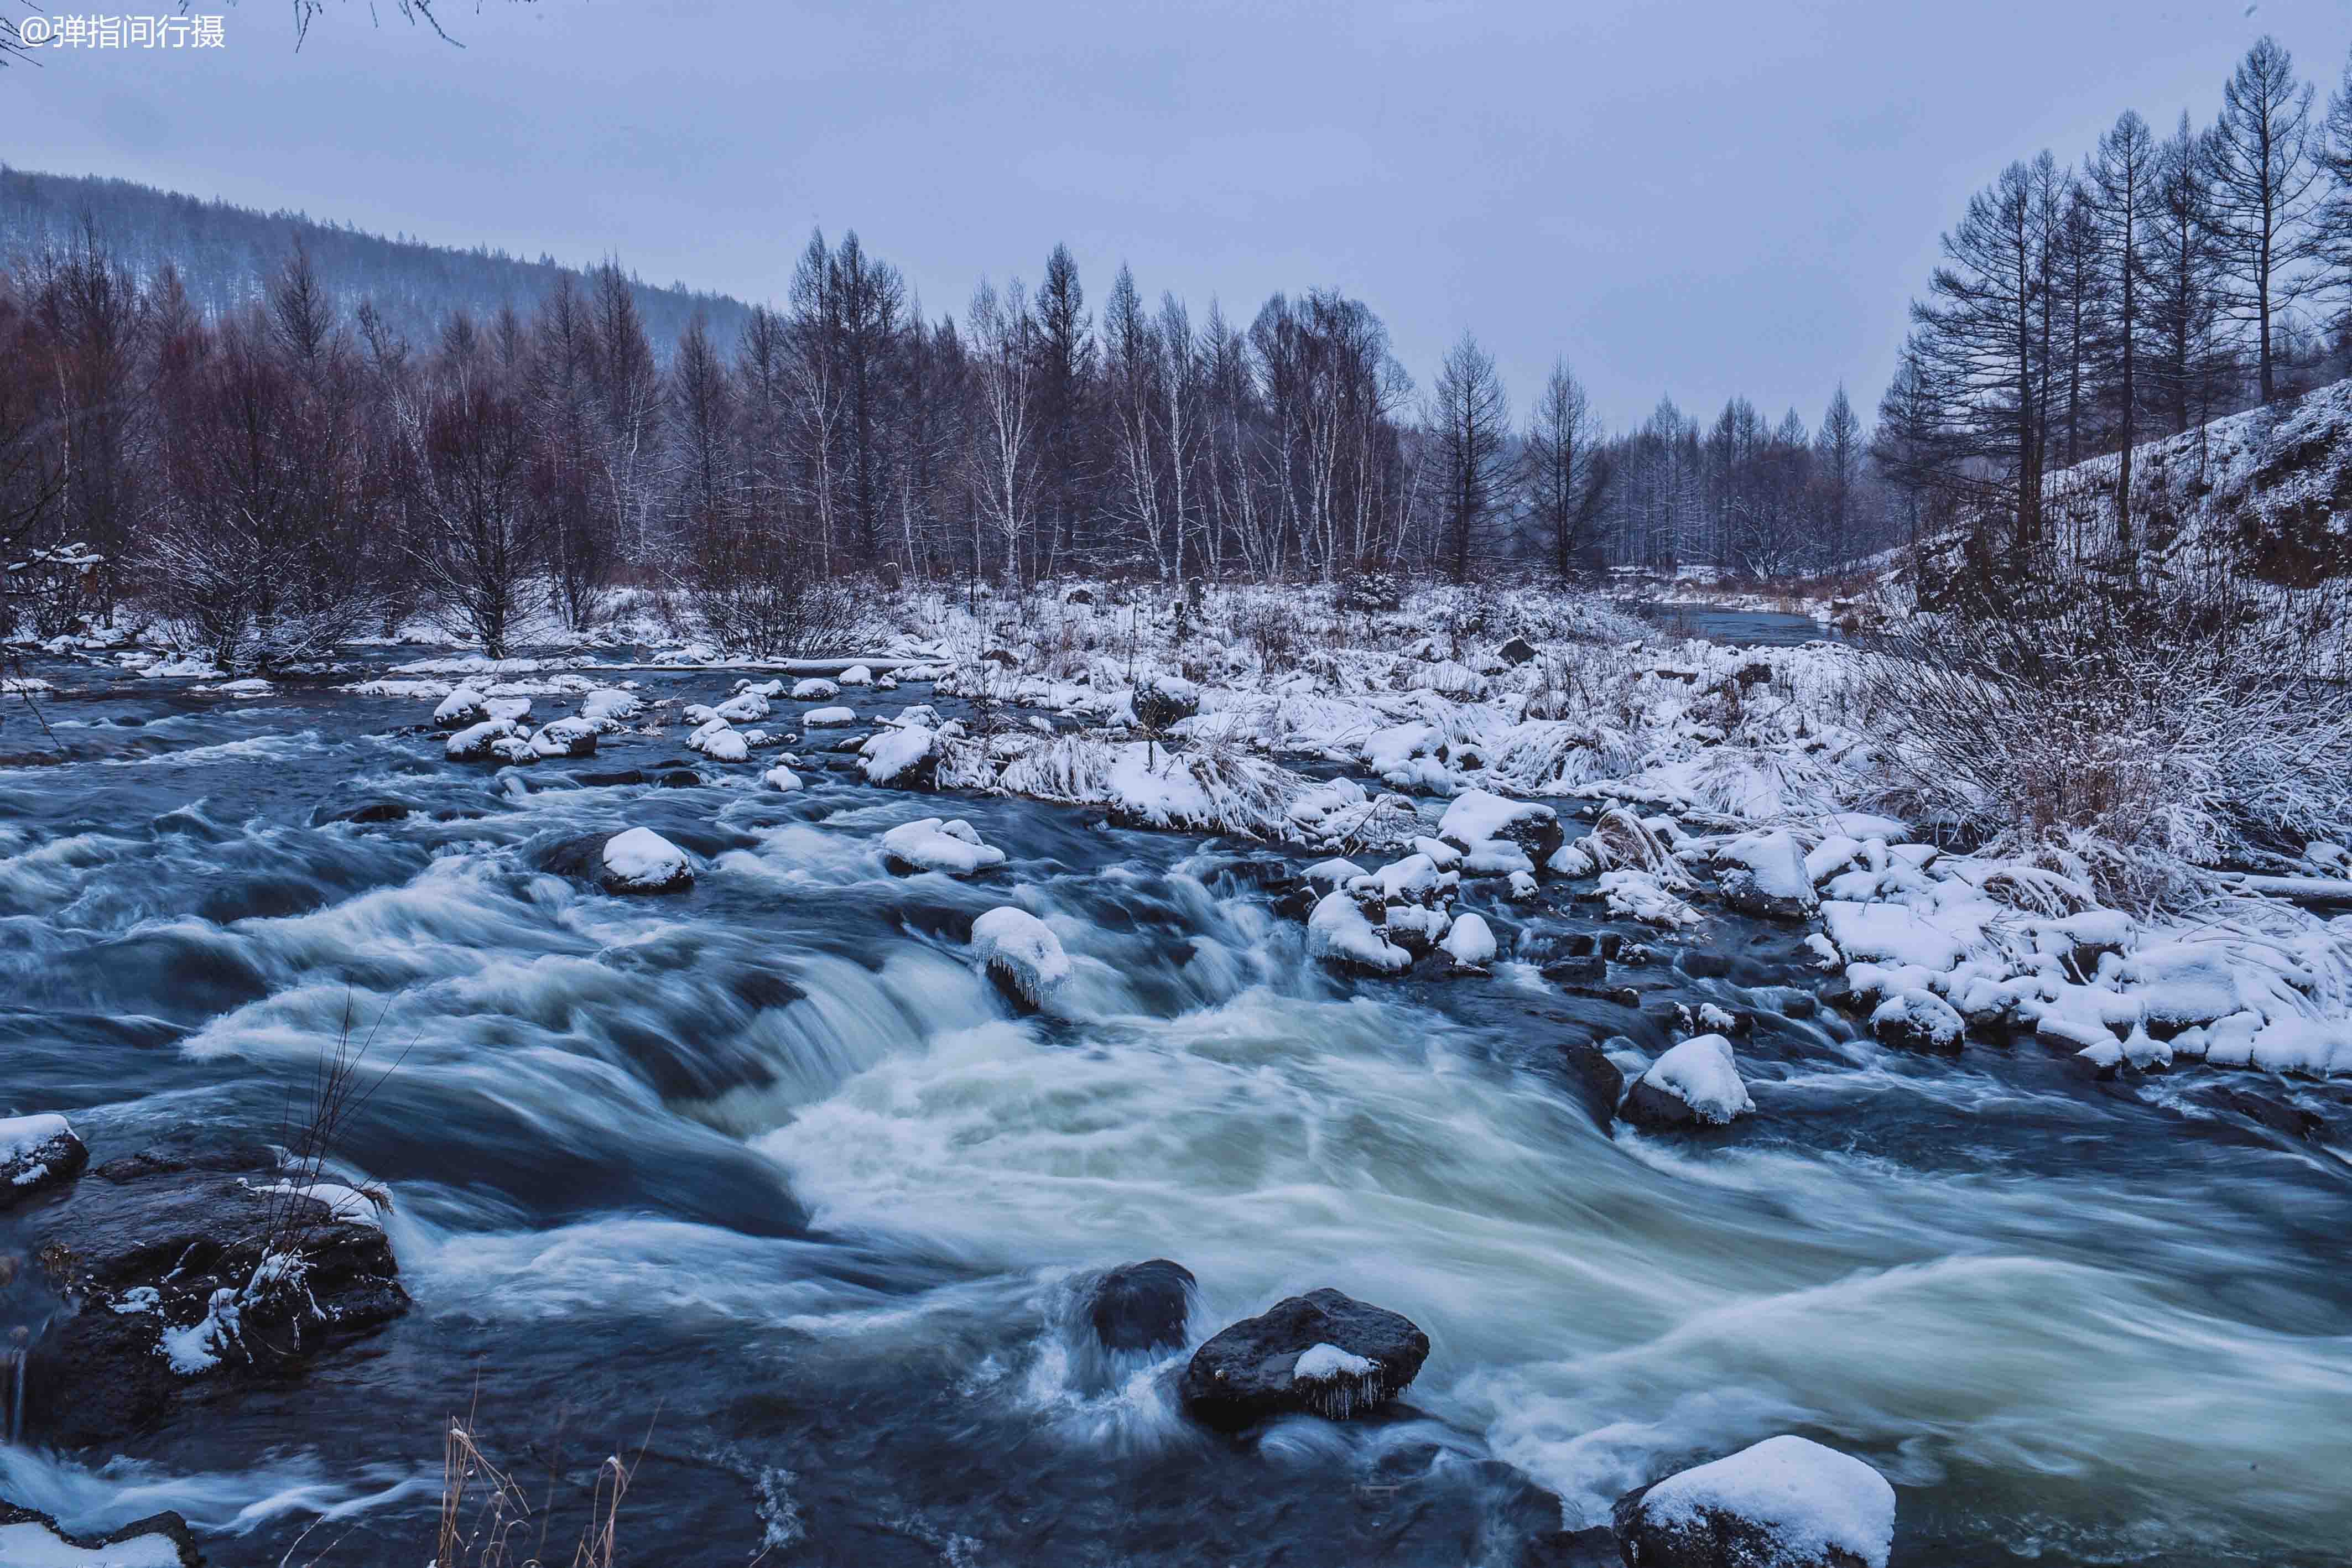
point(769, 1168)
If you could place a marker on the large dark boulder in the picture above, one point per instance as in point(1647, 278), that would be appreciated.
point(37, 1153)
point(27, 1535)
point(1517, 651)
point(1141, 1306)
point(191, 1275)
point(1357, 1357)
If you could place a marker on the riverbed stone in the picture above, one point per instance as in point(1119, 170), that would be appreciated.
point(1357, 1358)
point(38, 1154)
point(183, 1272)
point(1142, 1306)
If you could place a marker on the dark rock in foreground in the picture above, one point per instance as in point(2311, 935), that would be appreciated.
point(27, 1536)
point(1142, 1306)
point(191, 1275)
point(1323, 1353)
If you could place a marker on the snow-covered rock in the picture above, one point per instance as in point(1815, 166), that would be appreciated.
point(480, 742)
point(719, 741)
point(906, 757)
point(1919, 1020)
point(464, 707)
point(1498, 836)
point(1338, 931)
point(1021, 953)
point(930, 843)
point(565, 737)
point(37, 1153)
point(828, 717)
point(857, 676)
point(1470, 942)
point(742, 707)
point(781, 777)
point(1787, 1502)
point(1697, 1080)
point(638, 859)
point(31, 1539)
point(816, 688)
point(1766, 876)
point(1642, 896)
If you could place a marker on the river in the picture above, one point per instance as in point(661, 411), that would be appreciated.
point(765, 1171)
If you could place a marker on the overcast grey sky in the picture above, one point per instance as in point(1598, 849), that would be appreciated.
point(1694, 199)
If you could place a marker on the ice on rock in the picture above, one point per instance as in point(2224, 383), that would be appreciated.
point(1022, 951)
point(828, 717)
point(1702, 1076)
point(814, 689)
point(1338, 931)
point(1325, 1362)
point(1470, 943)
point(638, 859)
point(1787, 1502)
point(929, 843)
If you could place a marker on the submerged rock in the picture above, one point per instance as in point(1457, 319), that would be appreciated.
point(196, 1272)
point(38, 1152)
point(1142, 1306)
point(32, 1540)
point(1323, 1353)
point(1786, 1503)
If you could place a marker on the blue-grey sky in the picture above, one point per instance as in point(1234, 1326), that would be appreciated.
point(1692, 199)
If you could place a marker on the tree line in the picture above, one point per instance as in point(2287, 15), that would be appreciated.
point(280, 474)
point(2167, 280)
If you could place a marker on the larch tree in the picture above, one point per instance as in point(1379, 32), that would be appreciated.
point(2121, 180)
point(1563, 477)
point(1471, 415)
point(2261, 176)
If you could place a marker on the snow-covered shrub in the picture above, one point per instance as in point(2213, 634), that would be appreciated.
point(2129, 734)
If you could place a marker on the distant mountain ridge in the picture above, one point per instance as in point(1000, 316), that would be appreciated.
point(225, 254)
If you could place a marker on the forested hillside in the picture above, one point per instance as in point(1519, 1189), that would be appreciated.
point(225, 256)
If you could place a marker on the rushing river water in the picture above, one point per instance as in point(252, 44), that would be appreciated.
point(765, 1169)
